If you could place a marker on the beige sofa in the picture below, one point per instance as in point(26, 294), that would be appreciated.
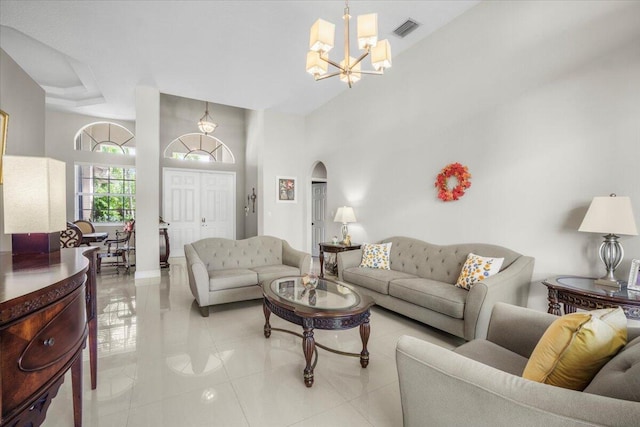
point(420, 283)
point(223, 270)
point(480, 383)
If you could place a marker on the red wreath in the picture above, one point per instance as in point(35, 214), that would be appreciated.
point(461, 173)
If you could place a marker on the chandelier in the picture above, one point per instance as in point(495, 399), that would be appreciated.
point(206, 124)
point(349, 69)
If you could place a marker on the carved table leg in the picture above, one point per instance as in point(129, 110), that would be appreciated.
point(569, 308)
point(267, 325)
point(76, 386)
point(554, 305)
point(364, 335)
point(321, 262)
point(308, 346)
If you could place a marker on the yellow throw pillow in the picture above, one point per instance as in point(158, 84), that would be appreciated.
point(477, 268)
point(575, 346)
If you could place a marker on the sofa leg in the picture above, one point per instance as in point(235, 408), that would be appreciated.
point(204, 311)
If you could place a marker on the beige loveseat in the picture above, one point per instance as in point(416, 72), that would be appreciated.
point(480, 383)
point(420, 283)
point(223, 270)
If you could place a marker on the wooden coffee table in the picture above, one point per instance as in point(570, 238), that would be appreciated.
point(575, 292)
point(329, 306)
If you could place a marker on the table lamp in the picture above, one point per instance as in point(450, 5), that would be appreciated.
point(345, 215)
point(34, 203)
point(611, 215)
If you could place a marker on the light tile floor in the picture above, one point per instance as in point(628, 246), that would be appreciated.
point(162, 364)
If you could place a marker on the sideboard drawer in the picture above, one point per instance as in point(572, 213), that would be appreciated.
point(57, 340)
point(28, 361)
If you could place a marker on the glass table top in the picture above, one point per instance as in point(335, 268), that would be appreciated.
point(589, 285)
point(327, 295)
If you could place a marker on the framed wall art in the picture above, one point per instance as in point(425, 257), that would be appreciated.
point(286, 189)
point(4, 123)
point(634, 276)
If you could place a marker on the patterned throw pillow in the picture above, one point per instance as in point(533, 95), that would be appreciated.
point(477, 268)
point(376, 255)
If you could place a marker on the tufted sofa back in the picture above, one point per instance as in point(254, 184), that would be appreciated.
point(219, 254)
point(441, 263)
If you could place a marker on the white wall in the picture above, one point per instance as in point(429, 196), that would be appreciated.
point(538, 99)
point(283, 155)
point(254, 146)
point(23, 100)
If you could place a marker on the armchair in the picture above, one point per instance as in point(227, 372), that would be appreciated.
point(480, 382)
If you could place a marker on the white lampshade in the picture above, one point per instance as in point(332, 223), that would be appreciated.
point(344, 215)
point(610, 215)
point(355, 71)
point(315, 65)
point(381, 55)
point(35, 195)
point(367, 30)
point(321, 36)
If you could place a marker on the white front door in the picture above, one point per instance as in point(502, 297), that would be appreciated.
point(198, 204)
point(318, 214)
point(217, 192)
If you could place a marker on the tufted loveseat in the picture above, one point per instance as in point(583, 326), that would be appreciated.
point(421, 283)
point(222, 270)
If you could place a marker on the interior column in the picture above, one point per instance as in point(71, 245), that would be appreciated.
point(147, 184)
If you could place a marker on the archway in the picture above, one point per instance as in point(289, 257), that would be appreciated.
point(319, 212)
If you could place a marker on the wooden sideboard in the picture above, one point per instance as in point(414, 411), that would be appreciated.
point(47, 310)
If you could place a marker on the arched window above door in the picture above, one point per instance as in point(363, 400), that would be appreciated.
point(199, 147)
point(105, 137)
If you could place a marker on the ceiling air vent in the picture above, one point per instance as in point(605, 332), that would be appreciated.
point(404, 29)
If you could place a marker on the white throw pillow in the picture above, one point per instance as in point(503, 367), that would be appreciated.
point(477, 268)
point(376, 255)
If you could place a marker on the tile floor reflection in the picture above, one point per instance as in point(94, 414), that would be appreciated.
point(161, 364)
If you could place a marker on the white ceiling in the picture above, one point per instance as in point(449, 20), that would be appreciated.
point(90, 55)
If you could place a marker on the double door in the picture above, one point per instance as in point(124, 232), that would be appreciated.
point(197, 205)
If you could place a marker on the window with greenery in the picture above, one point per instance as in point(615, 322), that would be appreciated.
point(105, 194)
point(105, 137)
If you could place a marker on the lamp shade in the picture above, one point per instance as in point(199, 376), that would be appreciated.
point(34, 195)
point(610, 215)
point(367, 30)
point(315, 65)
point(381, 55)
point(344, 215)
point(322, 36)
point(355, 74)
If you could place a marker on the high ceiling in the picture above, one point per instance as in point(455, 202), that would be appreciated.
point(90, 55)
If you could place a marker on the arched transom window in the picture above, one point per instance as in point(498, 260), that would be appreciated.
point(199, 147)
point(106, 137)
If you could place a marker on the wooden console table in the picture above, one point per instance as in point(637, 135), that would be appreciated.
point(575, 292)
point(47, 310)
point(334, 248)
